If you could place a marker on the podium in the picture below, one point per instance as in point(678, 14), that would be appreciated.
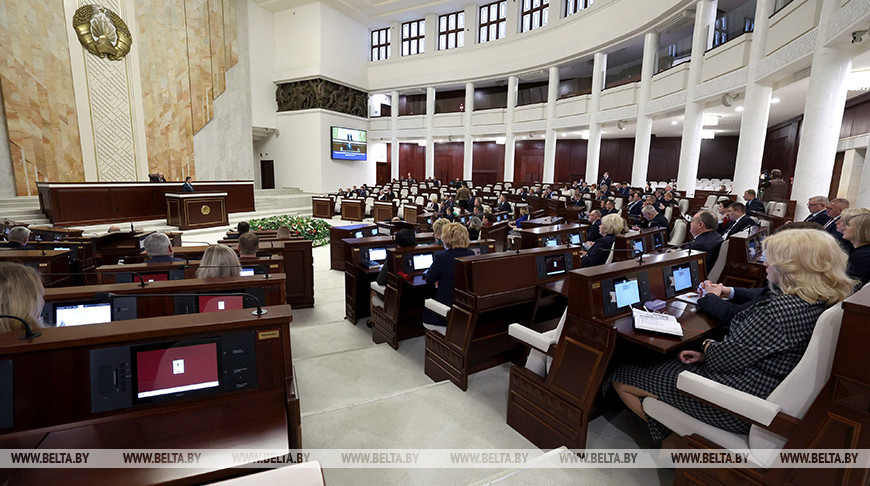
point(196, 210)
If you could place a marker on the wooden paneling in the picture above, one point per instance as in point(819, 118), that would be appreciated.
point(488, 98)
point(448, 160)
point(383, 170)
point(571, 160)
point(664, 158)
point(412, 158)
point(718, 158)
point(856, 117)
point(487, 166)
point(529, 161)
point(412, 104)
point(450, 101)
point(617, 157)
point(780, 149)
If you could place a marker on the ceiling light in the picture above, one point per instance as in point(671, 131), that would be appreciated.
point(500, 140)
point(708, 134)
point(710, 120)
point(738, 109)
point(584, 134)
point(674, 122)
point(774, 101)
point(421, 143)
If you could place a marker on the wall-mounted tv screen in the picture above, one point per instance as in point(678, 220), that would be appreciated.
point(348, 144)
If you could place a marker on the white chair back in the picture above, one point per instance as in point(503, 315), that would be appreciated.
point(684, 205)
point(669, 213)
point(678, 234)
point(779, 209)
point(716, 271)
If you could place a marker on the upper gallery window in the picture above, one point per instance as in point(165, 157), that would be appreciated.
point(493, 21)
point(413, 37)
point(535, 13)
point(381, 44)
point(574, 6)
point(451, 31)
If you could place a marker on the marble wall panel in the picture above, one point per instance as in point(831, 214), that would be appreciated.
point(218, 49)
point(199, 61)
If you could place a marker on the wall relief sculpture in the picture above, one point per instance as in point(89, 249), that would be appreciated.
point(102, 32)
point(320, 93)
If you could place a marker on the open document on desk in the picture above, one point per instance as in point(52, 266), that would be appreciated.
point(656, 322)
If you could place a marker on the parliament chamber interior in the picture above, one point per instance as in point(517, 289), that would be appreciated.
point(286, 242)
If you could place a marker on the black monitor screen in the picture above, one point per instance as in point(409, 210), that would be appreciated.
point(555, 265)
point(81, 314)
point(422, 261)
point(658, 240)
point(626, 292)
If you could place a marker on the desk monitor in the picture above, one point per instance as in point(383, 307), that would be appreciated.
point(81, 314)
point(422, 261)
point(246, 272)
point(214, 303)
point(551, 241)
point(174, 370)
point(658, 240)
point(358, 234)
point(637, 245)
point(620, 293)
point(752, 249)
point(553, 265)
point(681, 278)
point(91, 311)
point(126, 277)
point(218, 301)
point(377, 254)
point(576, 238)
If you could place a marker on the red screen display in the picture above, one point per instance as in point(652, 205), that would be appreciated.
point(174, 370)
point(213, 303)
point(155, 277)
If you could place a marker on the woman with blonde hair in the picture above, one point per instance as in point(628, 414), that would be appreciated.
point(442, 272)
point(857, 232)
point(436, 229)
point(611, 225)
point(21, 294)
point(807, 273)
point(219, 261)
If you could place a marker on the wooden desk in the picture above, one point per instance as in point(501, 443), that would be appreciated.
point(393, 227)
point(560, 233)
point(108, 274)
point(647, 237)
point(545, 221)
point(48, 233)
point(553, 411)
point(339, 233)
point(322, 207)
point(44, 262)
point(194, 210)
point(81, 258)
point(411, 211)
point(111, 202)
point(384, 211)
point(353, 209)
point(54, 372)
point(742, 266)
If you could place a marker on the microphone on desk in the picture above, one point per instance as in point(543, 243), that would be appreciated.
point(259, 312)
point(28, 331)
point(637, 253)
point(118, 210)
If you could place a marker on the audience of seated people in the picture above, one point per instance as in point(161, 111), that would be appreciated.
point(21, 295)
point(807, 273)
point(219, 261)
point(158, 248)
point(442, 273)
point(611, 225)
point(18, 236)
point(818, 206)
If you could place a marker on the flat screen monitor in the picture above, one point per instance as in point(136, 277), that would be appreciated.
point(637, 245)
point(422, 261)
point(551, 241)
point(377, 254)
point(172, 370)
point(626, 292)
point(81, 314)
point(348, 144)
point(576, 238)
point(358, 234)
point(155, 277)
point(60, 248)
point(246, 271)
point(682, 277)
point(658, 240)
point(752, 250)
point(214, 303)
point(555, 265)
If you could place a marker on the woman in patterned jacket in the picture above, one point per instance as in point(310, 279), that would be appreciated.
point(807, 273)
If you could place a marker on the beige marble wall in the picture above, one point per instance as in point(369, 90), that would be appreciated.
point(38, 94)
point(199, 61)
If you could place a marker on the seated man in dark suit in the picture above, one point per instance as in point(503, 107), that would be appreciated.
point(651, 218)
point(705, 237)
point(835, 207)
point(753, 203)
point(243, 227)
point(158, 177)
point(609, 208)
point(159, 249)
point(634, 206)
point(187, 187)
point(741, 220)
point(19, 236)
point(818, 206)
point(594, 231)
point(503, 204)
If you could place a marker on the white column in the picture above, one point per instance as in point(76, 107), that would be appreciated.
point(850, 180)
point(430, 125)
point(394, 134)
point(509, 147)
point(593, 149)
point(643, 136)
point(512, 20)
point(756, 108)
point(550, 142)
point(823, 116)
point(467, 162)
point(431, 30)
point(690, 146)
point(862, 200)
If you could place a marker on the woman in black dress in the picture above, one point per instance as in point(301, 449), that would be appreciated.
point(442, 272)
point(807, 273)
point(857, 232)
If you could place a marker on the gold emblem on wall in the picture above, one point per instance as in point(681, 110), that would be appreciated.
point(102, 32)
point(205, 210)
